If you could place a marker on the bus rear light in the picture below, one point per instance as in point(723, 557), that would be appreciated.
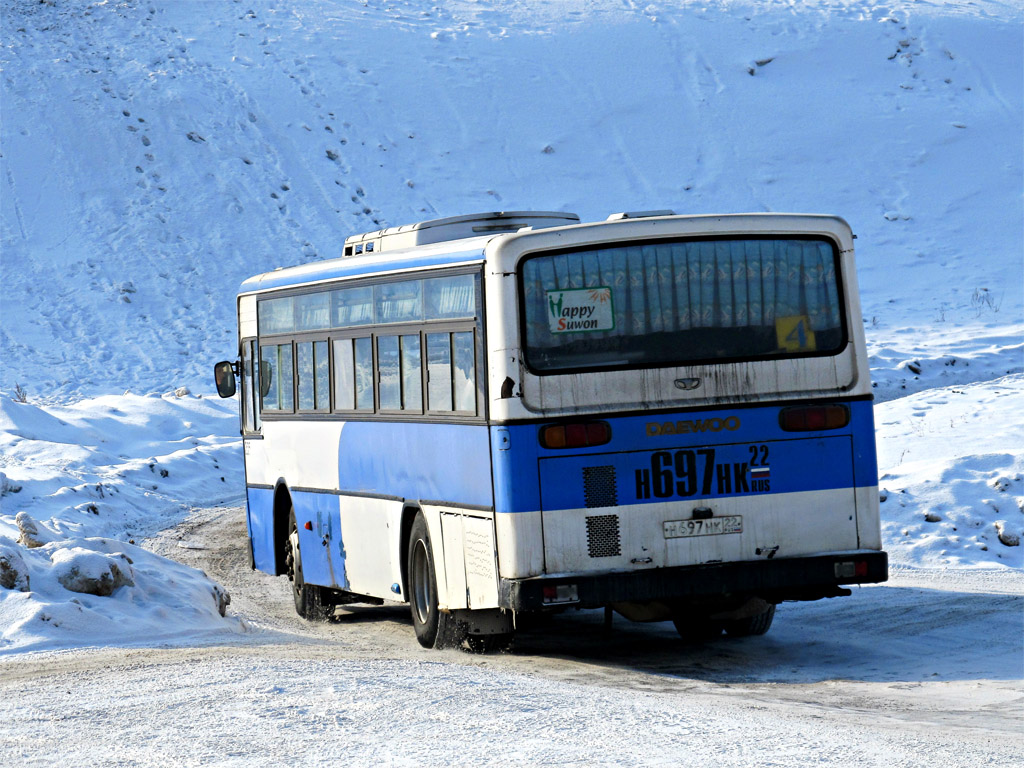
point(850, 570)
point(812, 418)
point(562, 593)
point(578, 435)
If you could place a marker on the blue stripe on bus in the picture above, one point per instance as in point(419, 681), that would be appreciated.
point(660, 458)
point(354, 267)
point(865, 457)
point(687, 474)
point(445, 462)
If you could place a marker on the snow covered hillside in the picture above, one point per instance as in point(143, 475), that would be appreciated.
point(155, 153)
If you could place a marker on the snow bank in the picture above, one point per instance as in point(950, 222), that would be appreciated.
point(951, 475)
point(96, 591)
point(116, 466)
point(79, 484)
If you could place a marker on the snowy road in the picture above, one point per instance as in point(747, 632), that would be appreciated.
point(923, 671)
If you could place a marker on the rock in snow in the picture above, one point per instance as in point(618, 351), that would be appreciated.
point(30, 534)
point(13, 571)
point(92, 573)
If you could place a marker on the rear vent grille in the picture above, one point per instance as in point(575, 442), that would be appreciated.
point(603, 536)
point(599, 487)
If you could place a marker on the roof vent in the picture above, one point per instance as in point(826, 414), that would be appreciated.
point(455, 228)
point(639, 215)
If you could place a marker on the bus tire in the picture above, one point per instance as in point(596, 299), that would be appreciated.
point(752, 625)
point(434, 628)
point(309, 598)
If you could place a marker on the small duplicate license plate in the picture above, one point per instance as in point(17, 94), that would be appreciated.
point(712, 526)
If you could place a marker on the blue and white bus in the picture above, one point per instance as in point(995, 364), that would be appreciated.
point(496, 415)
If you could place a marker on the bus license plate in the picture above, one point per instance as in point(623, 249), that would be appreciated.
point(712, 526)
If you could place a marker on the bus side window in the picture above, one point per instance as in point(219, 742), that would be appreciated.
point(276, 377)
point(304, 366)
point(388, 382)
point(400, 382)
point(364, 373)
point(464, 372)
point(353, 374)
point(451, 365)
point(313, 376)
point(439, 372)
point(254, 401)
point(323, 375)
point(344, 376)
point(412, 373)
point(248, 411)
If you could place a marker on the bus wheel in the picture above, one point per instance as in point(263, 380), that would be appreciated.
point(434, 627)
point(309, 602)
point(752, 625)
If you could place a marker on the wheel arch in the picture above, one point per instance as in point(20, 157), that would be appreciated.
point(409, 512)
point(282, 507)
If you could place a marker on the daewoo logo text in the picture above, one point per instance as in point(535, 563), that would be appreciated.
point(697, 425)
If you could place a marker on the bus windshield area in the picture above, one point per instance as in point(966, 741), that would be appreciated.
point(681, 302)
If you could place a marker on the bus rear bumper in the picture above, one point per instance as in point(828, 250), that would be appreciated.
point(800, 578)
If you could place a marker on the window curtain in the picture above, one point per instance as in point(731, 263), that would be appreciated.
point(696, 284)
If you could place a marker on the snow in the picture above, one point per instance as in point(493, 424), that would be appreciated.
point(893, 675)
point(199, 154)
point(80, 483)
point(951, 475)
point(99, 591)
point(518, 719)
point(155, 154)
point(118, 466)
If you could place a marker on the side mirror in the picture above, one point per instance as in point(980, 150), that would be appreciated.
point(224, 374)
point(266, 377)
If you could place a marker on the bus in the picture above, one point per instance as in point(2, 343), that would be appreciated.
point(493, 416)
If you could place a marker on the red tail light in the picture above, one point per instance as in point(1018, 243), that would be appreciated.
point(578, 435)
point(851, 569)
point(562, 593)
point(812, 418)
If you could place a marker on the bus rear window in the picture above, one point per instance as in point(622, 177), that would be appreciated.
point(681, 302)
